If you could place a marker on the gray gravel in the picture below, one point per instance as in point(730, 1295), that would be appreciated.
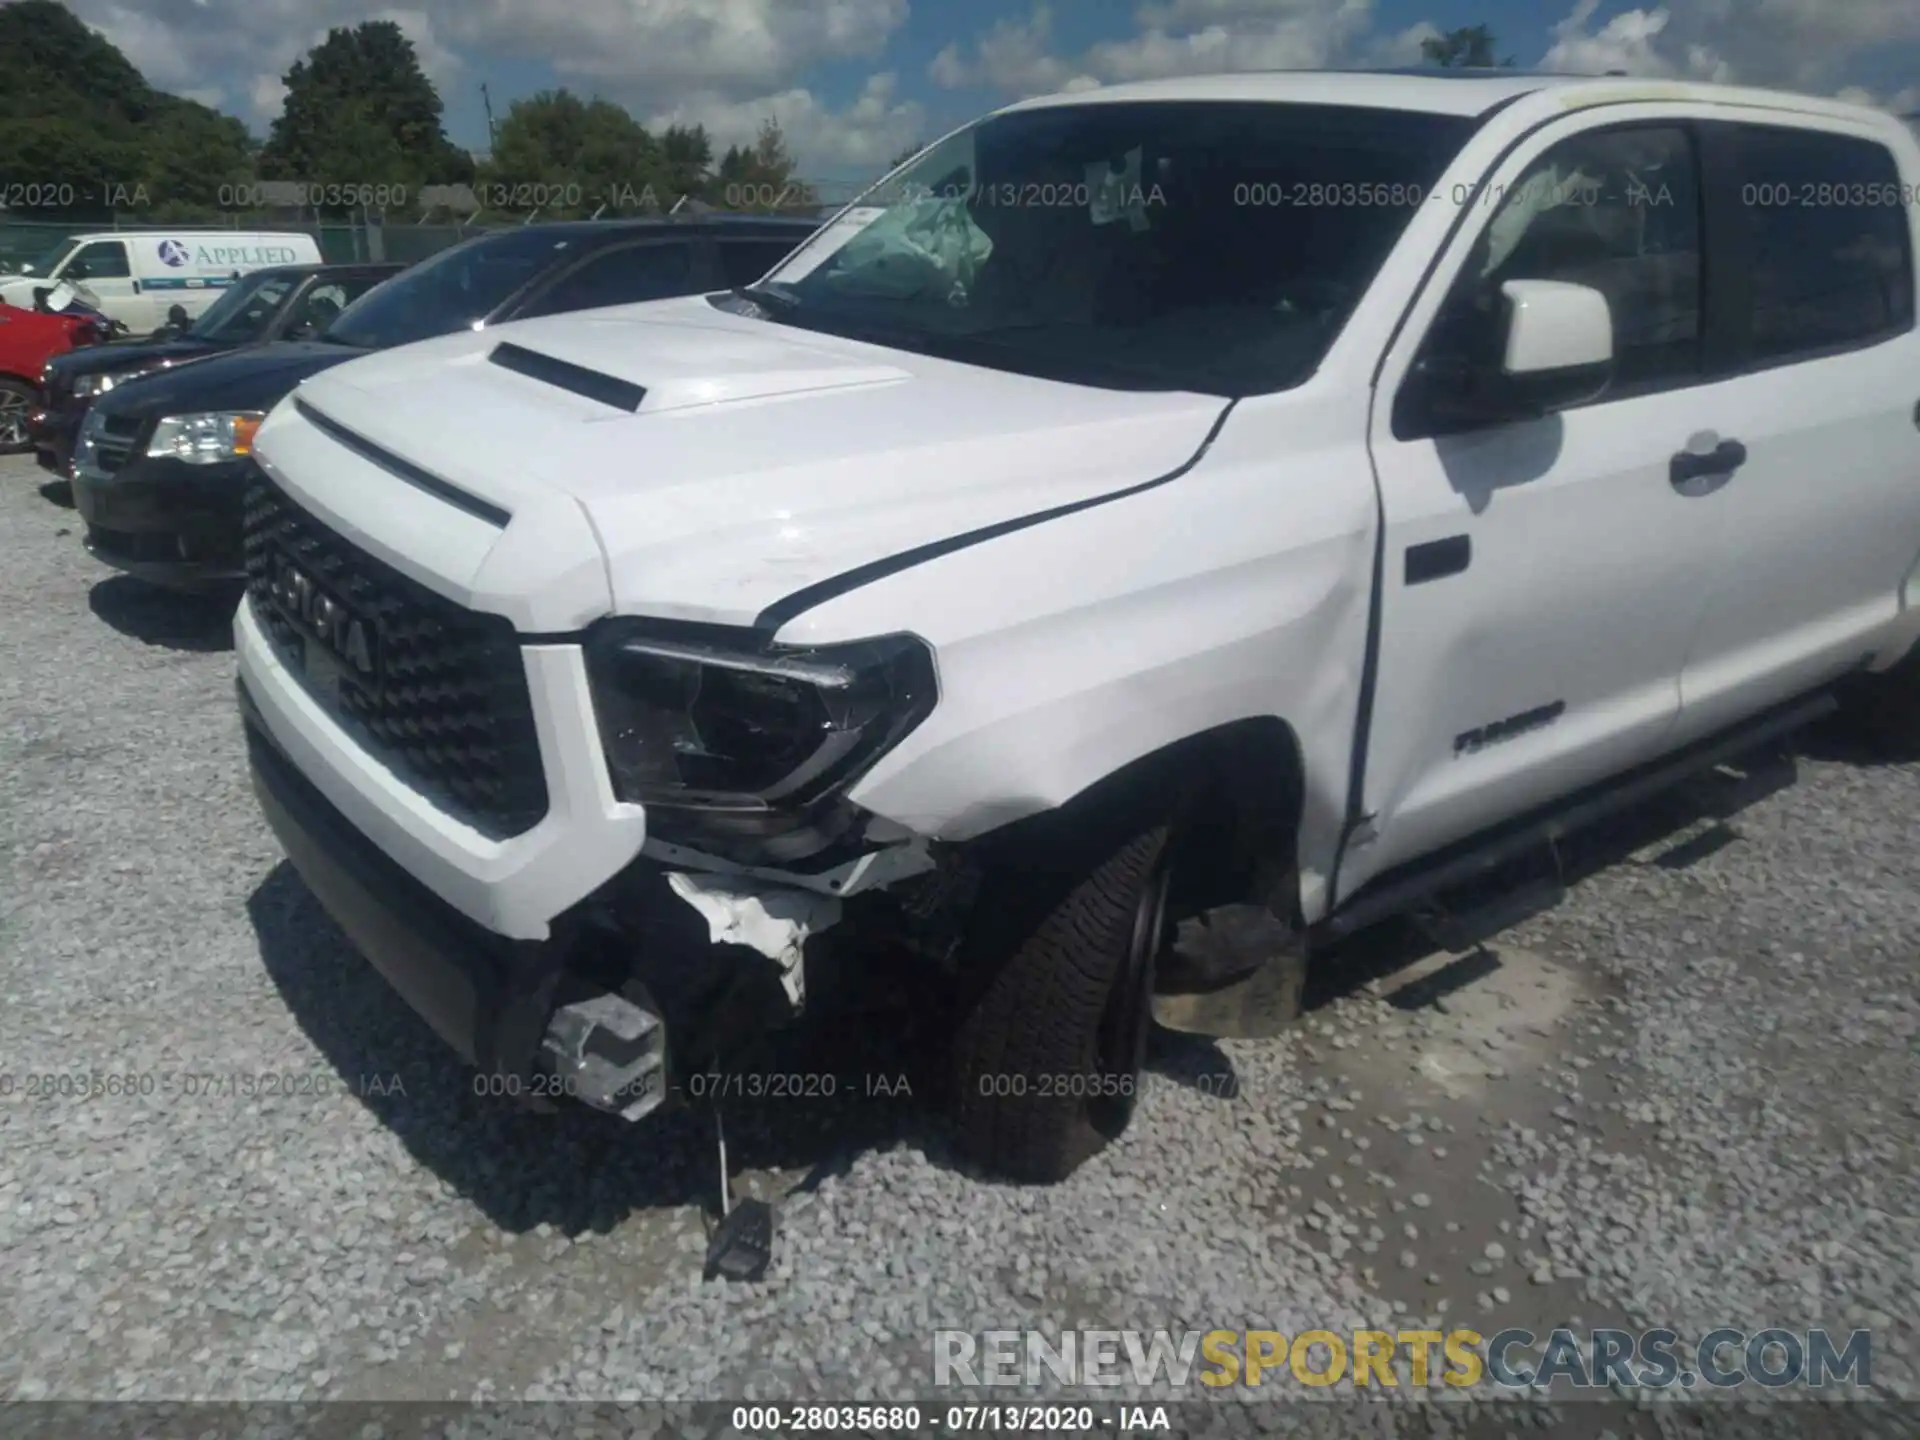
point(1684, 1097)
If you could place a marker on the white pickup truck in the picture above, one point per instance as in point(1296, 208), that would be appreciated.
point(1155, 530)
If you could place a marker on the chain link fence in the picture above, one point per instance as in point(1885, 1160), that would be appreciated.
point(438, 216)
point(33, 241)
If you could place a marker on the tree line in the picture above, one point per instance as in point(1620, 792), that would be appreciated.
point(84, 136)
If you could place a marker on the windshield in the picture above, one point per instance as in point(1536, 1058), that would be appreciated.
point(449, 291)
point(56, 257)
point(1206, 246)
point(244, 311)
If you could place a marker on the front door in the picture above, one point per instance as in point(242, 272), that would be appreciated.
point(102, 266)
point(1541, 579)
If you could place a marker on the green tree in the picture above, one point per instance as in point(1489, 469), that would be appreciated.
point(688, 151)
point(1471, 47)
point(84, 135)
point(905, 155)
point(564, 156)
point(760, 176)
point(360, 112)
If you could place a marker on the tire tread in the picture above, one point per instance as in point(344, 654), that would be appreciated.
point(1040, 1011)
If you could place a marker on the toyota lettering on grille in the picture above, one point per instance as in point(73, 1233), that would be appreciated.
point(348, 639)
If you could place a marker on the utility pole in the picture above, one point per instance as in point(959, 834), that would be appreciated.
point(486, 101)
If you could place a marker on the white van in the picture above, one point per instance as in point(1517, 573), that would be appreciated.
point(139, 277)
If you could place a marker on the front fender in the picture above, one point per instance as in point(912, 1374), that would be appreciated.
point(1068, 650)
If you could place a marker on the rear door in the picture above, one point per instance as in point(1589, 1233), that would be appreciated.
point(1540, 579)
point(1820, 524)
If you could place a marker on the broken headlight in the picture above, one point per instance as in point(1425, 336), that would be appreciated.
point(730, 724)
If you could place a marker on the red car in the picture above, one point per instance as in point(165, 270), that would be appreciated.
point(28, 339)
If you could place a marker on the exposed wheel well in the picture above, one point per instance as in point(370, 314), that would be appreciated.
point(1237, 792)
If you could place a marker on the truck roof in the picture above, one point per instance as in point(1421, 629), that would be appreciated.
point(1439, 91)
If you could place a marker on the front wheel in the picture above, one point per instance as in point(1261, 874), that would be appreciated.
point(1049, 1055)
point(16, 401)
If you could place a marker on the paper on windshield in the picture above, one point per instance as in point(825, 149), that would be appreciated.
point(831, 240)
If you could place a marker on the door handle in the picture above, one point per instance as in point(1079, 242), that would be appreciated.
point(1725, 458)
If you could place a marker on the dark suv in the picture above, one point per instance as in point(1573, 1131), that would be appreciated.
point(161, 463)
point(287, 302)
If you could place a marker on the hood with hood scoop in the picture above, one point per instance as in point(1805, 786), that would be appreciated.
point(725, 462)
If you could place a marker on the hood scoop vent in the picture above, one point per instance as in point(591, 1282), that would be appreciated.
point(609, 390)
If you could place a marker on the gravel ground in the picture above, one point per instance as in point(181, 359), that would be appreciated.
point(1683, 1097)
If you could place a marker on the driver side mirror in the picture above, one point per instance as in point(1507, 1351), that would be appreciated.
point(1553, 351)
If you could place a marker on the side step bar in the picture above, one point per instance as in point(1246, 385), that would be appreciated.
point(1398, 892)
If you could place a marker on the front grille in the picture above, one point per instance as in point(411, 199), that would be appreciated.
point(113, 440)
point(450, 714)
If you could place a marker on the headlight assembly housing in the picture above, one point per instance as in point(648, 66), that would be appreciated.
point(733, 743)
point(207, 438)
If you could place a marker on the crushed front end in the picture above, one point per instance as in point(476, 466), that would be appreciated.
point(605, 857)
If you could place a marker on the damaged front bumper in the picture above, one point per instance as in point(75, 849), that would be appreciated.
point(485, 995)
point(593, 1006)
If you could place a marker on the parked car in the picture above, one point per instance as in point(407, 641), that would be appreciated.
point(140, 276)
point(1154, 532)
point(28, 340)
point(287, 302)
point(160, 467)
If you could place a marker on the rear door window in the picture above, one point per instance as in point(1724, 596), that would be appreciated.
point(1828, 244)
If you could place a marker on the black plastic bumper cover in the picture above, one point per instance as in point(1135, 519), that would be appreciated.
point(53, 432)
point(488, 997)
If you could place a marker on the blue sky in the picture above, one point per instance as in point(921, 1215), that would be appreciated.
point(853, 81)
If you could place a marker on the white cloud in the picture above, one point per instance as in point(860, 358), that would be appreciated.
point(1178, 37)
point(863, 136)
point(1801, 44)
point(1403, 48)
point(685, 47)
point(1904, 101)
point(1013, 56)
point(160, 52)
point(266, 97)
point(1808, 44)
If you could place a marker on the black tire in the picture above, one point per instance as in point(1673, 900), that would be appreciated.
point(1048, 1053)
point(17, 399)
